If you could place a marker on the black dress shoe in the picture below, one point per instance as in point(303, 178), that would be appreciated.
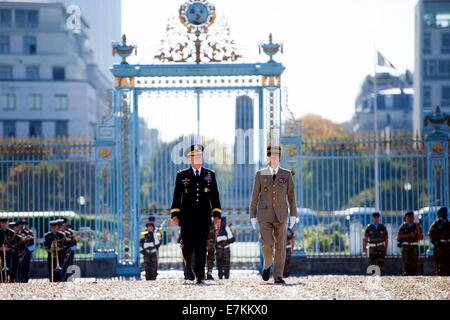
point(209, 276)
point(266, 274)
point(279, 280)
point(200, 281)
point(189, 276)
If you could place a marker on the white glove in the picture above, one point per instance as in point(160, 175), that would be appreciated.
point(292, 221)
point(254, 221)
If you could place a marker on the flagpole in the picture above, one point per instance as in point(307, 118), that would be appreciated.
point(375, 114)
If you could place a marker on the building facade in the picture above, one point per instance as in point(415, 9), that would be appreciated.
point(394, 104)
point(49, 84)
point(432, 58)
point(104, 18)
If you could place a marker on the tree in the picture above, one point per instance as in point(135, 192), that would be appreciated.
point(318, 128)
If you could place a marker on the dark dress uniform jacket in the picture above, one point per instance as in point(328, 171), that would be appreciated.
point(195, 199)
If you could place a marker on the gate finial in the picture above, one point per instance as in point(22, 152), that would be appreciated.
point(271, 49)
point(123, 50)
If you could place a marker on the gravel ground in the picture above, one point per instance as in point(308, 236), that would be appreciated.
point(242, 286)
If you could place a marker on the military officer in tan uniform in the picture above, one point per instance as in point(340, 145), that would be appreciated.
point(273, 197)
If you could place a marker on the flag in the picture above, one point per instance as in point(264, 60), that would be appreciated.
point(383, 62)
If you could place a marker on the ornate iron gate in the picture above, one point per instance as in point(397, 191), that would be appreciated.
point(204, 62)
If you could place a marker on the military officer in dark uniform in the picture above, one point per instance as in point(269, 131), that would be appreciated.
point(440, 237)
point(6, 243)
point(195, 199)
point(54, 242)
point(408, 239)
point(376, 238)
point(25, 259)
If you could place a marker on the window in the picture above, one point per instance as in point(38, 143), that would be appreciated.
point(9, 129)
point(5, 18)
point(430, 68)
point(389, 101)
point(4, 45)
point(6, 72)
point(59, 73)
point(32, 72)
point(446, 95)
point(35, 128)
point(8, 101)
point(61, 128)
point(427, 97)
point(27, 18)
point(61, 102)
point(444, 68)
point(445, 45)
point(427, 43)
point(35, 102)
point(29, 45)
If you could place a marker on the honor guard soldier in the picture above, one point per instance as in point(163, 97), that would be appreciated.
point(408, 239)
point(376, 238)
point(440, 237)
point(25, 260)
point(70, 247)
point(17, 251)
point(149, 245)
point(195, 199)
point(211, 251)
point(54, 242)
point(289, 250)
point(158, 231)
point(6, 237)
point(224, 240)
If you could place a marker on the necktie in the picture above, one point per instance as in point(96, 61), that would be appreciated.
point(197, 174)
point(274, 176)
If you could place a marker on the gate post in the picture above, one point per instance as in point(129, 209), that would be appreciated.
point(105, 184)
point(127, 177)
point(437, 156)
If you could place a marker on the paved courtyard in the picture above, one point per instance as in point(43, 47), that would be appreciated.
point(243, 285)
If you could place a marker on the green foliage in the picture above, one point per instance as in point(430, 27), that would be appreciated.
point(325, 239)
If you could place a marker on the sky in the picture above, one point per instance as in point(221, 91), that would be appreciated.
point(329, 44)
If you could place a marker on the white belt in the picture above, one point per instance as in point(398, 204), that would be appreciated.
point(223, 247)
point(153, 251)
point(222, 238)
point(410, 243)
point(376, 244)
point(288, 246)
point(148, 245)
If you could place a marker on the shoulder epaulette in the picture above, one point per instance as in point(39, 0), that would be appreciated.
point(209, 170)
point(143, 234)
